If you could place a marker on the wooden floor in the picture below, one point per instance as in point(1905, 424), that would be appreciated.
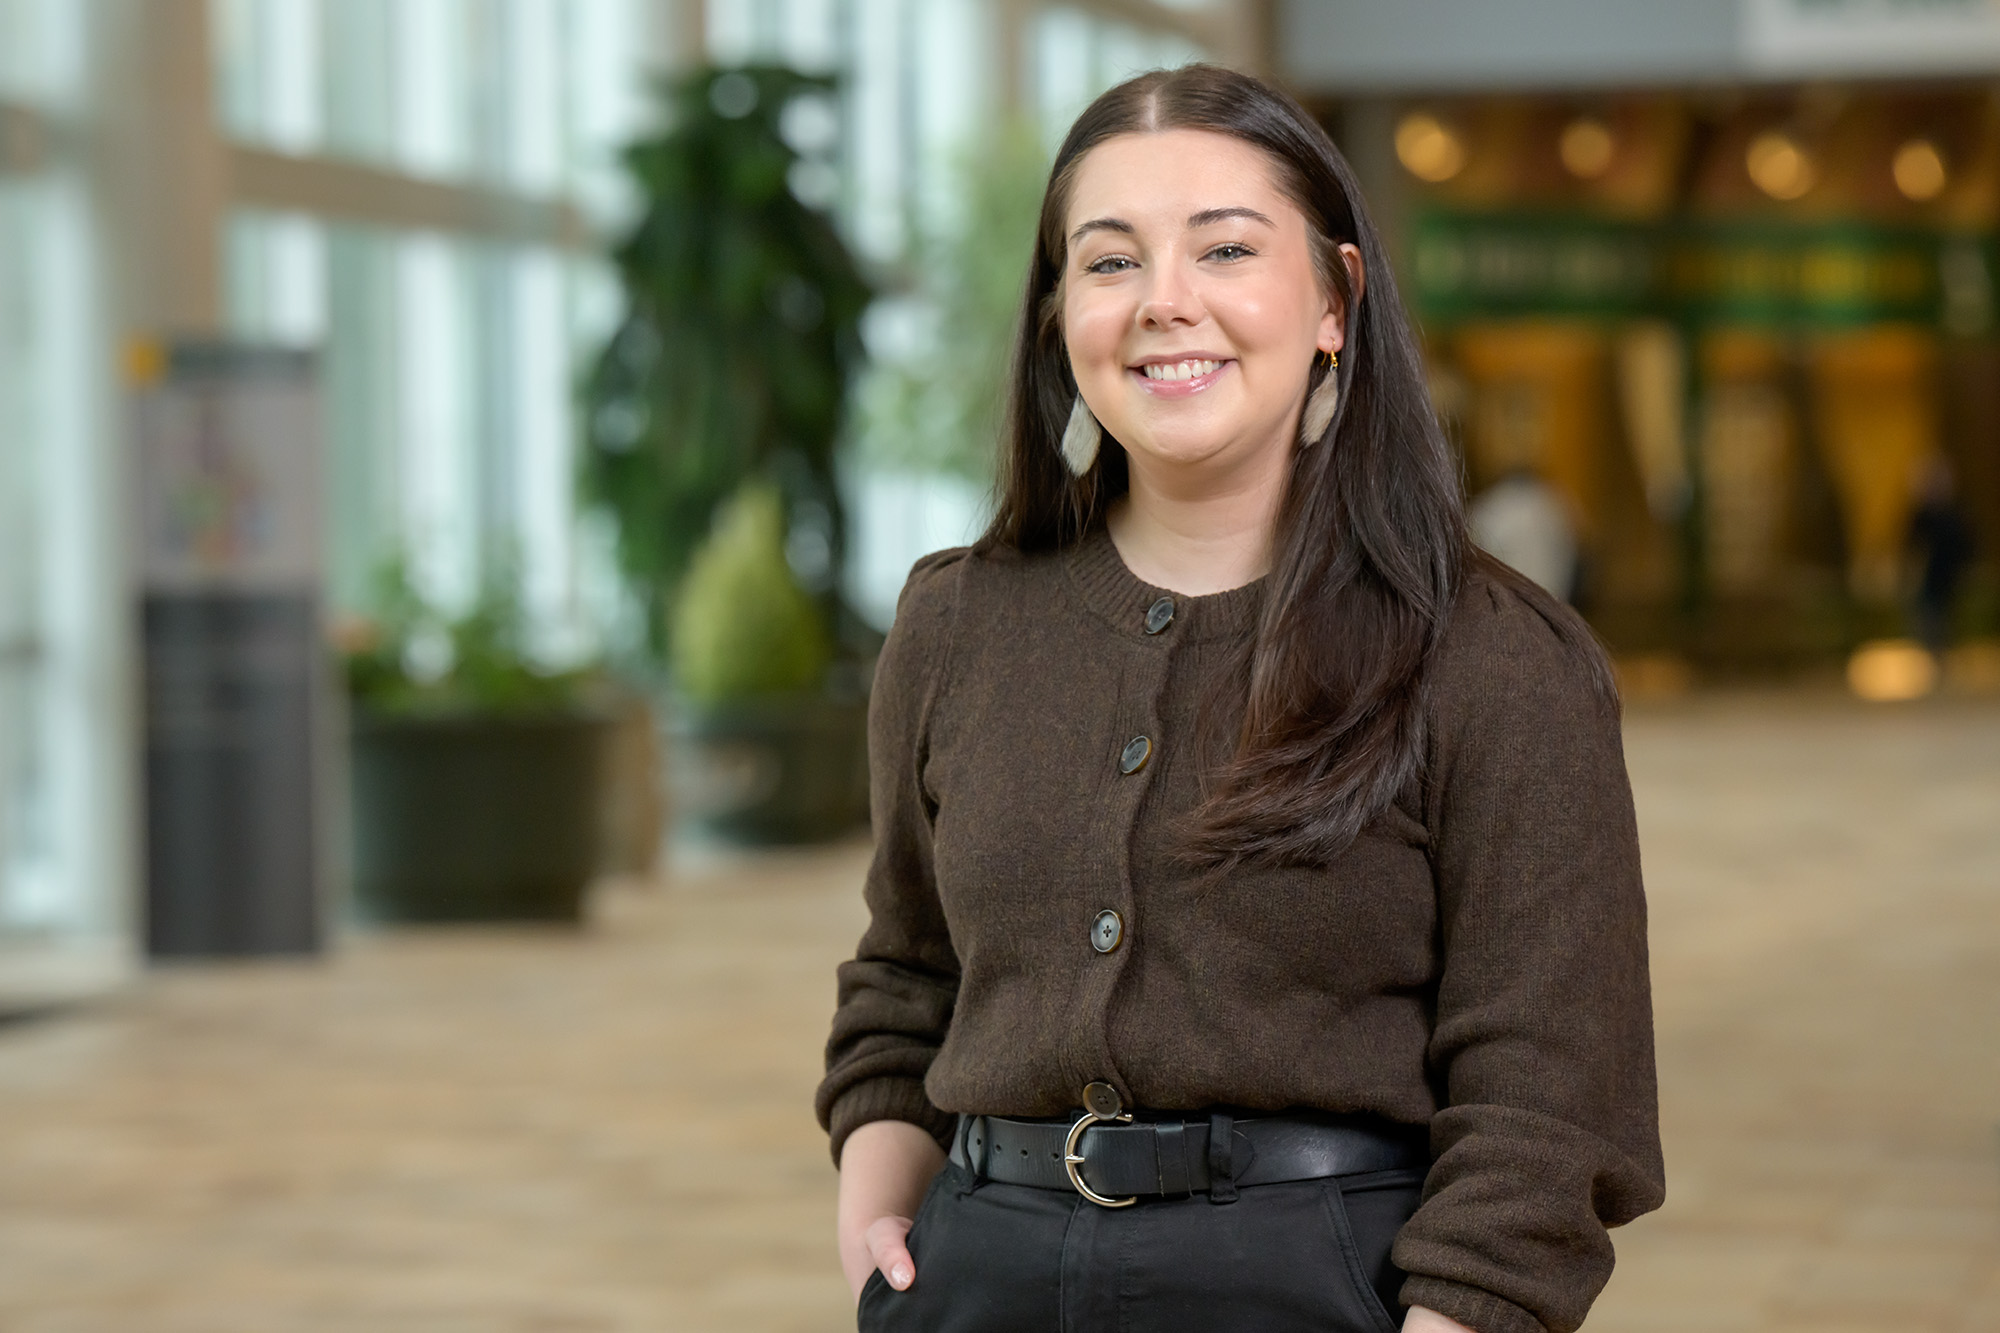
point(516, 1131)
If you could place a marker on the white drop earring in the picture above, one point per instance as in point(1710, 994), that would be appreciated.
point(1081, 438)
point(1319, 406)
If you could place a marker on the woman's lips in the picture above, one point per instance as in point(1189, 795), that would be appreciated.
point(1167, 380)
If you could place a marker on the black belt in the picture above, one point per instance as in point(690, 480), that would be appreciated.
point(1212, 1155)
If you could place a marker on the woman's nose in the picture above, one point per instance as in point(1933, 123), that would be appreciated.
point(1171, 299)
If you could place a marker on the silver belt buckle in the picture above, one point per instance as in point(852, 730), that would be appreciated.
point(1101, 1104)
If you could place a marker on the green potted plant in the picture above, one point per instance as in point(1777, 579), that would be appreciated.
point(475, 769)
point(732, 364)
point(770, 752)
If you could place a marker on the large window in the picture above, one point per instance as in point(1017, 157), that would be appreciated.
point(450, 365)
point(62, 779)
point(450, 357)
point(532, 95)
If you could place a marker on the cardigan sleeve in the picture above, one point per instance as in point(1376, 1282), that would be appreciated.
point(896, 995)
point(1543, 1041)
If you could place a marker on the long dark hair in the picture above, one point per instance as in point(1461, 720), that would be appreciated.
point(1370, 545)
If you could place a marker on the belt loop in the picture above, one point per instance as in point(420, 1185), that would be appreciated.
point(975, 1165)
point(1221, 1142)
point(1171, 1157)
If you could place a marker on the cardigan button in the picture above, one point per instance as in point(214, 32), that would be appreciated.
point(1135, 754)
point(1159, 615)
point(1107, 932)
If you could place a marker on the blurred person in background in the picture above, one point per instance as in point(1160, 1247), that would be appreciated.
point(1941, 539)
point(1257, 938)
point(1520, 521)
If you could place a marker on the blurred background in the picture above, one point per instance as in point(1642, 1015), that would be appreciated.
point(458, 459)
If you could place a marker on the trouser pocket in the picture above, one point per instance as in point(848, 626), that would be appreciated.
point(1365, 1213)
point(988, 1260)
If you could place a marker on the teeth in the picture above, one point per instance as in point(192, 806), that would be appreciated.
point(1181, 370)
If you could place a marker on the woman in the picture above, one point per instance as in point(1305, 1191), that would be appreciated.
point(1257, 939)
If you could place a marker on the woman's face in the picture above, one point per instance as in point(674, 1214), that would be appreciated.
point(1191, 307)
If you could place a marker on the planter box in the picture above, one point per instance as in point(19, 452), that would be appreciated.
point(476, 818)
point(773, 772)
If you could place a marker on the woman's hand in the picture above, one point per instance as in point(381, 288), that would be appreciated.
point(885, 1168)
point(1421, 1320)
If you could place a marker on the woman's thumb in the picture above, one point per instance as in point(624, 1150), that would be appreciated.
point(885, 1245)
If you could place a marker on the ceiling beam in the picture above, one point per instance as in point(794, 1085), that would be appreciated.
point(376, 196)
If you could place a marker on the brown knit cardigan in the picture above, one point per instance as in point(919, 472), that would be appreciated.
point(1474, 962)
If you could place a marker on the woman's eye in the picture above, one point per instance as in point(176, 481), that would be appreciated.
point(1231, 252)
point(1108, 264)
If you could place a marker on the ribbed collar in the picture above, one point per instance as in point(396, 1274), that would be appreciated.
point(1121, 598)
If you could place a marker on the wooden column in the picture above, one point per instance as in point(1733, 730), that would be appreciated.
point(162, 168)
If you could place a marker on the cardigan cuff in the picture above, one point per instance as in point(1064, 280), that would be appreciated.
point(1480, 1311)
point(887, 1099)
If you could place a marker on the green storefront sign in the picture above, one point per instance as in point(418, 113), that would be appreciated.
point(1816, 275)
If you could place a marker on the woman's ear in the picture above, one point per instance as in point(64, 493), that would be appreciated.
point(1357, 276)
point(1333, 329)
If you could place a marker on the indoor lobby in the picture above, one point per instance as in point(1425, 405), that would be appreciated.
point(427, 836)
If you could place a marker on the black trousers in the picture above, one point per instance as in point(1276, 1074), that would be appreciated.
point(994, 1258)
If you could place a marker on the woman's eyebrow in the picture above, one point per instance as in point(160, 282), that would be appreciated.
point(1210, 216)
point(1102, 224)
point(1207, 217)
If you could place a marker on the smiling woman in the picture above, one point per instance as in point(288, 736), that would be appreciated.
point(1256, 934)
point(1193, 328)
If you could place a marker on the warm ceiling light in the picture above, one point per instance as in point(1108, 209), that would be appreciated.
point(1428, 148)
point(1587, 147)
point(1779, 166)
point(1891, 671)
point(1919, 170)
